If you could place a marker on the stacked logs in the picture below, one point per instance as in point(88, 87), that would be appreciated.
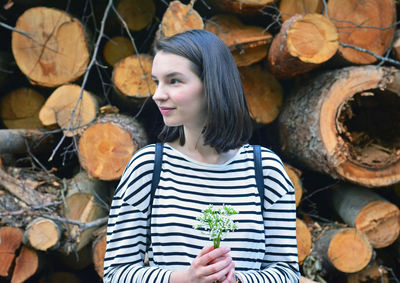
point(321, 84)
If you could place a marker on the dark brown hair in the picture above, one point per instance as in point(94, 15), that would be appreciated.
point(228, 123)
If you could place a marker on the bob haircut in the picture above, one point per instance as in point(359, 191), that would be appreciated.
point(228, 123)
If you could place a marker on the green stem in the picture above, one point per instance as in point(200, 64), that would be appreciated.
point(216, 242)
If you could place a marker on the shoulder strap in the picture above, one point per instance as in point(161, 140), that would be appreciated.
point(156, 170)
point(259, 173)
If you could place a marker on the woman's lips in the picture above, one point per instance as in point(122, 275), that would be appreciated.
point(165, 110)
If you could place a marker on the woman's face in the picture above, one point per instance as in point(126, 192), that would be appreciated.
point(179, 94)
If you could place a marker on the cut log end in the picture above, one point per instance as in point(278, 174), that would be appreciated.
point(106, 146)
point(313, 39)
point(11, 240)
point(289, 8)
point(380, 221)
point(70, 109)
point(132, 76)
point(294, 175)
point(179, 18)
point(353, 29)
point(43, 234)
point(304, 242)
point(137, 14)
point(248, 44)
point(349, 250)
point(99, 250)
point(26, 265)
point(263, 92)
point(117, 48)
point(56, 52)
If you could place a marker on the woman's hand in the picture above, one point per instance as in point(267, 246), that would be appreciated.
point(209, 266)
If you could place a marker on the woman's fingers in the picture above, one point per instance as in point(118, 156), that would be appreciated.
point(224, 275)
point(207, 258)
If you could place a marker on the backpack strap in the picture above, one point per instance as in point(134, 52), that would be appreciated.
point(259, 174)
point(156, 170)
point(154, 182)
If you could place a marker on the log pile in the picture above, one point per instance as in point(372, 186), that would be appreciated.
point(322, 83)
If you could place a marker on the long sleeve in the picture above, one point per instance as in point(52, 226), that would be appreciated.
point(280, 263)
point(128, 226)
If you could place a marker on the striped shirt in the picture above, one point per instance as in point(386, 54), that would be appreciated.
point(264, 248)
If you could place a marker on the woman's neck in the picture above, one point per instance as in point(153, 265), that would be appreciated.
point(194, 148)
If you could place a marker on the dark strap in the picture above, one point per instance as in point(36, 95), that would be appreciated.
point(156, 171)
point(259, 174)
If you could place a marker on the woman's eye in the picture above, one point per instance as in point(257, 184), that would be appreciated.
point(174, 81)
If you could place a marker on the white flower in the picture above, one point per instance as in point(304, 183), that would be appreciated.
point(217, 223)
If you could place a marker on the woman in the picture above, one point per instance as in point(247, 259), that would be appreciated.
point(206, 160)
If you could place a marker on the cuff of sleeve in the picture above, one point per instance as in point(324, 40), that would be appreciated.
point(239, 277)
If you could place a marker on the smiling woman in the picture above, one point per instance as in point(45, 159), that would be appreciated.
point(206, 160)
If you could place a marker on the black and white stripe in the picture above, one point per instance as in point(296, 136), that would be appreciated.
point(264, 249)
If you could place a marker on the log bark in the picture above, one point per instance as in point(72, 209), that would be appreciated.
point(107, 145)
point(179, 18)
point(116, 49)
point(372, 273)
point(85, 202)
point(368, 212)
point(303, 43)
point(346, 250)
point(396, 45)
point(295, 176)
point(54, 50)
point(137, 14)
point(263, 92)
point(132, 78)
point(21, 141)
point(304, 242)
point(42, 234)
point(368, 24)
point(20, 109)
point(99, 250)
point(345, 123)
point(289, 8)
point(244, 8)
point(26, 265)
point(70, 108)
point(25, 189)
point(11, 240)
point(248, 44)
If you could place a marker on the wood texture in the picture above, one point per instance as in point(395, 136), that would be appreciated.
point(363, 23)
point(302, 44)
point(132, 76)
point(116, 49)
point(70, 108)
point(26, 265)
point(20, 109)
point(248, 44)
point(346, 250)
point(11, 240)
point(55, 52)
point(320, 132)
point(42, 234)
point(304, 242)
point(137, 14)
point(106, 146)
point(263, 92)
point(289, 8)
point(367, 211)
point(178, 18)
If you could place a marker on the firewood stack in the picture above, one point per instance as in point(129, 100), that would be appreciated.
point(322, 83)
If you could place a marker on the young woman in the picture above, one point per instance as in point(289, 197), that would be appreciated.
point(206, 160)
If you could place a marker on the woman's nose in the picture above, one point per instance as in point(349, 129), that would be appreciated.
point(159, 93)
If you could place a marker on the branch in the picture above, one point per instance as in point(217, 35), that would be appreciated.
point(379, 57)
point(85, 78)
